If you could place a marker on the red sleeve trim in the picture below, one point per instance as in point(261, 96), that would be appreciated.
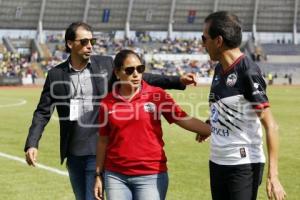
point(262, 106)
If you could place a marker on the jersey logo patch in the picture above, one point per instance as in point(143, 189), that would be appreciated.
point(243, 153)
point(231, 80)
point(256, 85)
point(258, 89)
point(149, 107)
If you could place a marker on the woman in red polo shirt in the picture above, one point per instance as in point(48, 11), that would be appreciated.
point(130, 155)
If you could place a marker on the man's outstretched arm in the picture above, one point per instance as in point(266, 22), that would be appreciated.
point(169, 82)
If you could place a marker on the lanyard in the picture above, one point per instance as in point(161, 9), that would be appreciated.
point(76, 88)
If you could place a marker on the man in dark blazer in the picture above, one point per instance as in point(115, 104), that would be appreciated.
point(76, 87)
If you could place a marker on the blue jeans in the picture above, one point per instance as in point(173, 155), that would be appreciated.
point(146, 187)
point(81, 173)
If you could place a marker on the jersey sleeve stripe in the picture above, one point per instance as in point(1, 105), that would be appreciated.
point(262, 106)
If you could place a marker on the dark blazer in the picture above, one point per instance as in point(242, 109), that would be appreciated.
point(56, 93)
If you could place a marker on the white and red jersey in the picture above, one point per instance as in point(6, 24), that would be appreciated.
point(236, 129)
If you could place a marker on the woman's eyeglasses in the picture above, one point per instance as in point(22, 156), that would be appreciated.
point(129, 70)
point(85, 41)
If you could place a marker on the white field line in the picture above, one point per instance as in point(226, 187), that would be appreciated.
point(20, 102)
point(44, 167)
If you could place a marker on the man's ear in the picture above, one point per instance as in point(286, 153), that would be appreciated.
point(220, 41)
point(70, 44)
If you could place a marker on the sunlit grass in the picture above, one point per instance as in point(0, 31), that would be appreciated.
point(187, 160)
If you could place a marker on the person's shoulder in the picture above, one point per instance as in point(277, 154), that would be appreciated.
point(104, 62)
point(155, 94)
point(108, 98)
point(152, 89)
point(248, 65)
point(59, 67)
point(218, 67)
point(101, 58)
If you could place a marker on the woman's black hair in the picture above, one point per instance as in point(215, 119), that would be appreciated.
point(118, 63)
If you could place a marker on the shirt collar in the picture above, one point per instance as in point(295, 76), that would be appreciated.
point(76, 70)
point(224, 72)
point(143, 89)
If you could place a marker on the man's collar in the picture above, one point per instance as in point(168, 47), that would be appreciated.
point(71, 68)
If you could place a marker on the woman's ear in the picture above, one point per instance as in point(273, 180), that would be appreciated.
point(116, 72)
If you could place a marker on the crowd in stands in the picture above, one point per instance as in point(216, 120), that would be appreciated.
point(144, 44)
point(24, 66)
point(30, 66)
point(17, 65)
point(55, 38)
point(169, 67)
point(14, 65)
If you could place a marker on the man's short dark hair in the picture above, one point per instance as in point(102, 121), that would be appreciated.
point(226, 25)
point(71, 32)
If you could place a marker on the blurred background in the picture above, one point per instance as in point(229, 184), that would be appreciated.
point(167, 33)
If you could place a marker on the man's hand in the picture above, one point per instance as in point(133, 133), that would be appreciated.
point(274, 189)
point(31, 156)
point(201, 138)
point(98, 189)
point(188, 79)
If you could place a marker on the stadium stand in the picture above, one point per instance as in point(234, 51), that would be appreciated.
point(155, 29)
point(281, 49)
point(276, 15)
point(117, 15)
point(16, 14)
point(58, 15)
point(272, 15)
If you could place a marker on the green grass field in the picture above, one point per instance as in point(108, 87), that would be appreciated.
point(187, 160)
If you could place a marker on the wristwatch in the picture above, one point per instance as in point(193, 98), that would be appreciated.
point(100, 174)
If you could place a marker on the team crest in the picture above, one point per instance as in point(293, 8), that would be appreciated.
point(149, 107)
point(256, 85)
point(231, 80)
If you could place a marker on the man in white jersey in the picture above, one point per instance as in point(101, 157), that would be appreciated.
point(239, 107)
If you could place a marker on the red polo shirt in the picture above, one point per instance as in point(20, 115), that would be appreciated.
point(134, 129)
